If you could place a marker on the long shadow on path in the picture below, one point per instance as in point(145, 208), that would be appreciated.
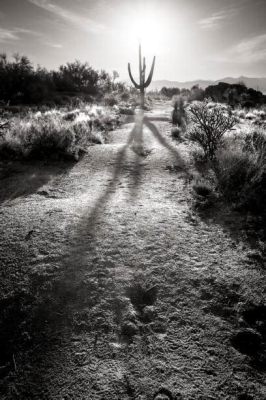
point(135, 137)
point(75, 264)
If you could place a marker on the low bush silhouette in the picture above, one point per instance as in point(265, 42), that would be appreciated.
point(21, 83)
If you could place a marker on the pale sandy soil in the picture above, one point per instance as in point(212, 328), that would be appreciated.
point(113, 287)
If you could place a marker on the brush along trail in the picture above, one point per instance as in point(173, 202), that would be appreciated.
point(114, 287)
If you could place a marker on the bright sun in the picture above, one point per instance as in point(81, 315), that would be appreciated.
point(146, 26)
point(145, 30)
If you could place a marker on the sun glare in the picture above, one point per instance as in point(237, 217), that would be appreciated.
point(146, 31)
point(148, 27)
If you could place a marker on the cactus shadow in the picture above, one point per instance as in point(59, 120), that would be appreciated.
point(136, 143)
point(165, 143)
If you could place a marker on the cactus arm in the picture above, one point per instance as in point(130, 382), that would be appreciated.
point(147, 83)
point(144, 70)
point(131, 77)
point(140, 66)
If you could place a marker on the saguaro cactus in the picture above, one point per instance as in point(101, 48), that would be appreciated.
point(143, 83)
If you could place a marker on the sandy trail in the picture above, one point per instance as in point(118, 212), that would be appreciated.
point(133, 291)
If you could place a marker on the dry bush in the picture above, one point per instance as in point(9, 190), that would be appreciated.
point(204, 194)
point(240, 168)
point(179, 116)
point(208, 126)
point(46, 135)
point(202, 187)
point(110, 99)
point(54, 132)
point(176, 133)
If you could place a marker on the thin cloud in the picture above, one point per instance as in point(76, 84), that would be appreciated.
point(54, 45)
point(251, 50)
point(86, 24)
point(215, 20)
point(27, 31)
point(247, 51)
point(15, 34)
point(7, 35)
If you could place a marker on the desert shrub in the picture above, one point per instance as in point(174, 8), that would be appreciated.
point(170, 92)
point(76, 77)
point(204, 195)
point(261, 114)
point(240, 168)
point(125, 96)
point(21, 83)
point(234, 168)
point(235, 95)
point(110, 100)
point(198, 155)
point(71, 115)
point(202, 187)
point(240, 114)
point(196, 93)
point(179, 113)
point(250, 116)
point(56, 133)
point(208, 126)
point(45, 135)
point(176, 133)
point(127, 110)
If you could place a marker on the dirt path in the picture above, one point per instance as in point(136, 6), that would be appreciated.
point(132, 291)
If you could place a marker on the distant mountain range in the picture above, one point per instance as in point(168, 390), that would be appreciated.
point(255, 83)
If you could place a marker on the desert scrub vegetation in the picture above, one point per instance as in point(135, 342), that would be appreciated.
point(22, 83)
point(179, 116)
point(56, 133)
point(255, 116)
point(235, 159)
point(204, 192)
point(208, 124)
point(240, 167)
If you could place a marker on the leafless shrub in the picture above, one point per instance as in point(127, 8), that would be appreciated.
point(208, 126)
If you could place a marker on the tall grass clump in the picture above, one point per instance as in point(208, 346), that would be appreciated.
point(208, 125)
point(204, 193)
point(240, 167)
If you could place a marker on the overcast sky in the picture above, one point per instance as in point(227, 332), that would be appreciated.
point(192, 39)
